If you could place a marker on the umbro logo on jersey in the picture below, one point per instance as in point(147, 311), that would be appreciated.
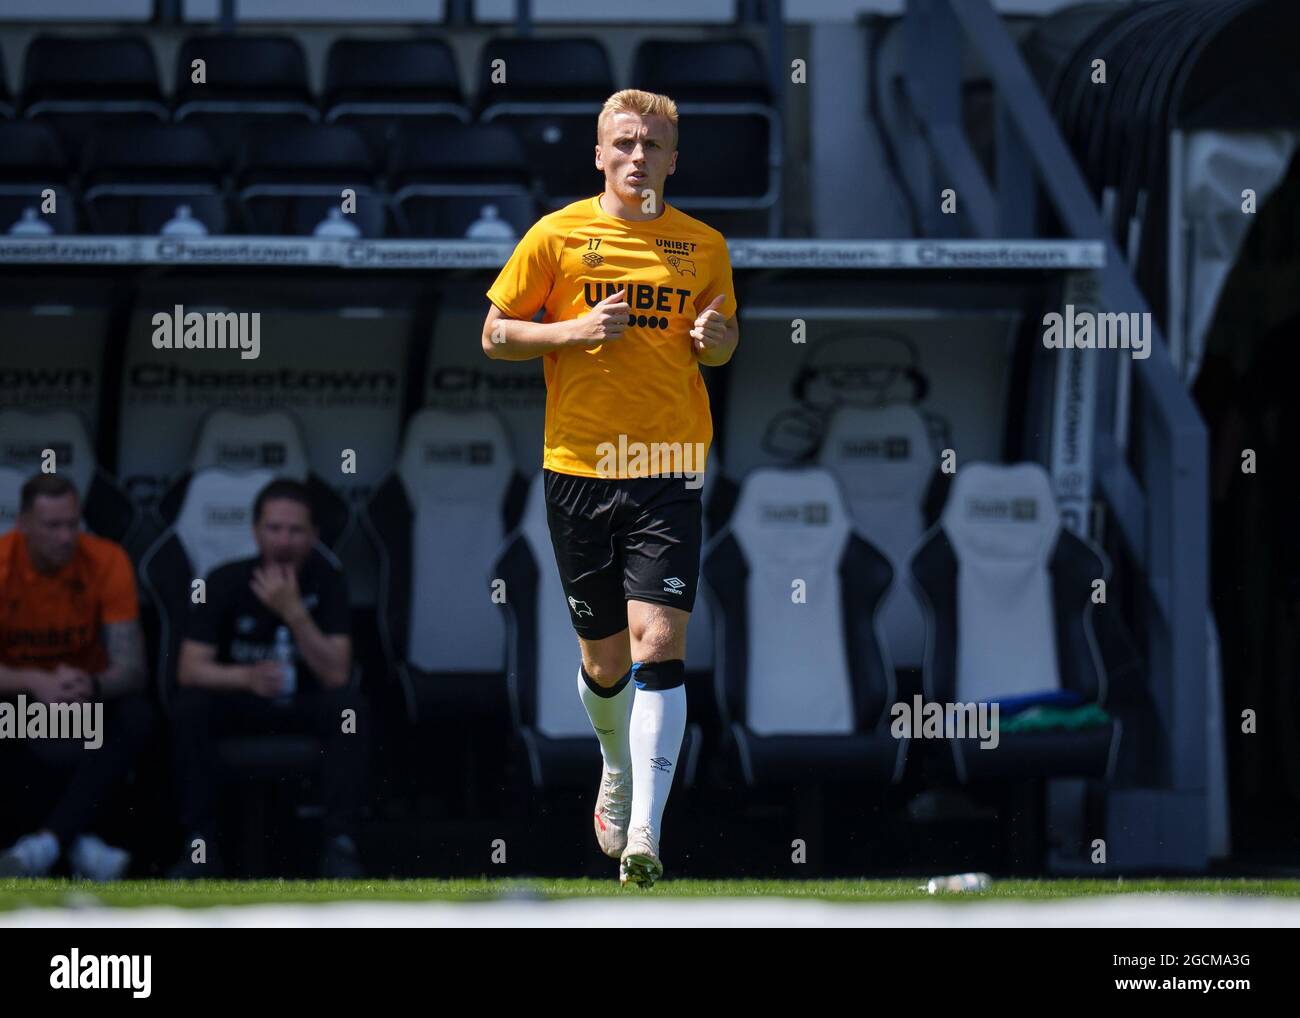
point(673, 585)
point(580, 608)
point(591, 259)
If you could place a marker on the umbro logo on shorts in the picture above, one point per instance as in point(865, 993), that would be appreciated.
point(673, 585)
point(580, 608)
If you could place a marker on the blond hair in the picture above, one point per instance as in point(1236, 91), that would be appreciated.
point(633, 100)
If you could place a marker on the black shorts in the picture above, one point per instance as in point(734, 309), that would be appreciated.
point(619, 539)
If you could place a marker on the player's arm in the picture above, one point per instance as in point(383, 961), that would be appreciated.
point(714, 338)
point(125, 673)
point(328, 655)
point(198, 666)
point(510, 339)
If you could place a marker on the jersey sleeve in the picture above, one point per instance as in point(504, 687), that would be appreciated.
point(119, 600)
point(719, 282)
point(525, 281)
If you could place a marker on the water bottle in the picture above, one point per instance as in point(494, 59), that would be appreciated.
point(283, 654)
point(961, 882)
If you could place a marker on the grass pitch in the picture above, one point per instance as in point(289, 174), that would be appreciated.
point(56, 893)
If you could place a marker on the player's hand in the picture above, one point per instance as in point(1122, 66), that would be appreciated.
point(265, 678)
point(604, 322)
point(44, 686)
point(73, 684)
point(276, 586)
point(711, 327)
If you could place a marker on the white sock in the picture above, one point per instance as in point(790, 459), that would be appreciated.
point(658, 724)
point(609, 717)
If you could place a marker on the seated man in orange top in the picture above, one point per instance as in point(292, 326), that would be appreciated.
point(69, 634)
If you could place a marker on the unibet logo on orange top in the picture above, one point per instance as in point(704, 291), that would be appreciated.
point(645, 385)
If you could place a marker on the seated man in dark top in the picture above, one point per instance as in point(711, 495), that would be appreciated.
point(269, 652)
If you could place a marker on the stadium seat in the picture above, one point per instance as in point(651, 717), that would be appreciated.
point(137, 178)
point(727, 119)
point(24, 436)
point(32, 160)
point(1006, 592)
point(269, 440)
point(803, 678)
point(550, 100)
point(290, 180)
point(438, 521)
point(11, 485)
point(79, 83)
point(214, 526)
point(461, 180)
point(543, 659)
point(884, 463)
point(376, 85)
point(7, 109)
point(251, 80)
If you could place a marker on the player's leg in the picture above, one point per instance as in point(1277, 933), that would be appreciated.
point(662, 559)
point(580, 514)
point(658, 724)
point(605, 688)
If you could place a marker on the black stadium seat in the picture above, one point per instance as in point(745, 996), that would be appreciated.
point(251, 79)
point(542, 663)
point(722, 93)
point(376, 85)
point(448, 178)
point(32, 160)
point(25, 435)
point(550, 99)
point(439, 521)
point(269, 440)
point(290, 179)
point(80, 83)
point(803, 679)
point(885, 464)
point(999, 563)
point(136, 177)
point(6, 100)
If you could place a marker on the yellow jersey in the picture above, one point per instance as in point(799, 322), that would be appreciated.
point(643, 390)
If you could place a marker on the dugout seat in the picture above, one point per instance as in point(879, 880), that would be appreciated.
point(727, 118)
point(376, 85)
point(1006, 593)
point(106, 510)
point(214, 526)
point(804, 684)
point(251, 80)
point(883, 460)
point(289, 180)
point(7, 109)
point(270, 440)
point(543, 659)
point(438, 521)
point(79, 83)
point(550, 100)
point(32, 160)
point(135, 178)
point(444, 177)
point(11, 486)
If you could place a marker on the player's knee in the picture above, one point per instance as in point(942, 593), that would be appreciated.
point(659, 675)
point(605, 673)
